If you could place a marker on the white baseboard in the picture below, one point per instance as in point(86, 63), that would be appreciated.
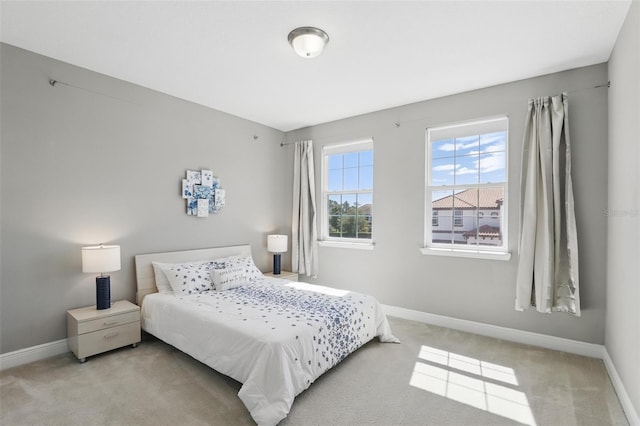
point(504, 333)
point(623, 396)
point(34, 353)
point(528, 338)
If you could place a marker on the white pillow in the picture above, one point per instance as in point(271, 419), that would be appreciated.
point(251, 272)
point(162, 283)
point(160, 269)
point(189, 278)
point(227, 278)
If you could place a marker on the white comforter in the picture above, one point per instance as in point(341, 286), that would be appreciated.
point(275, 337)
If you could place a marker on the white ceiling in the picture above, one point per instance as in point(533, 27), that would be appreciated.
point(233, 55)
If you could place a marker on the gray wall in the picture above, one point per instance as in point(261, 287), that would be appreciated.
point(478, 290)
point(623, 248)
point(104, 164)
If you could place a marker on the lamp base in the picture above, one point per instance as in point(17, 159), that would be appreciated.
point(276, 263)
point(103, 292)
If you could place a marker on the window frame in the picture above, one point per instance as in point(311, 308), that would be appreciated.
point(343, 148)
point(461, 129)
point(458, 218)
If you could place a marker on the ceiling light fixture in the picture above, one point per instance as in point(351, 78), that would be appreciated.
point(308, 42)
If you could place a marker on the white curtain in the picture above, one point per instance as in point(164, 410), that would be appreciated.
point(548, 252)
point(304, 257)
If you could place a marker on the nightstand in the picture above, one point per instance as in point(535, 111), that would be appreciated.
point(285, 275)
point(91, 331)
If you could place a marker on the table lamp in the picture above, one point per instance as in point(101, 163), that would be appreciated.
point(277, 244)
point(101, 259)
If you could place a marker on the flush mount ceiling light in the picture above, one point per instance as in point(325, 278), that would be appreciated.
point(308, 42)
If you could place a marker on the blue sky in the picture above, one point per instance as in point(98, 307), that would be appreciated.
point(351, 172)
point(469, 160)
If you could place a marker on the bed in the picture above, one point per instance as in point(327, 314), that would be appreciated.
point(273, 336)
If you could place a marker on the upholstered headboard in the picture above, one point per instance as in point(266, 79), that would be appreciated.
point(145, 279)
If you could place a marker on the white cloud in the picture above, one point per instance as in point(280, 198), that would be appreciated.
point(492, 162)
point(465, 171)
point(485, 140)
point(461, 145)
point(494, 148)
point(447, 147)
point(467, 142)
point(444, 167)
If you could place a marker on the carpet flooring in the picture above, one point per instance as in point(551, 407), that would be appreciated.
point(436, 376)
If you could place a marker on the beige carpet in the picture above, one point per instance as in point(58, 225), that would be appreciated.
point(436, 376)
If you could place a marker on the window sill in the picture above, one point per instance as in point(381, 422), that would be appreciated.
point(346, 245)
point(490, 255)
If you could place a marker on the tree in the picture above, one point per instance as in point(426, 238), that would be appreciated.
point(349, 221)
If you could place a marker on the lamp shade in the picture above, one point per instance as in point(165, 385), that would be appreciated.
point(308, 42)
point(277, 243)
point(100, 258)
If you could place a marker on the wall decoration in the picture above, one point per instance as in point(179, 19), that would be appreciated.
point(203, 193)
point(203, 207)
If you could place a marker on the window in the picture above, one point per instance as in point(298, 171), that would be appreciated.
point(347, 192)
point(466, 169)
point(457, 218)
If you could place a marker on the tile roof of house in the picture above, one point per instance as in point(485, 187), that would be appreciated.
point(483, 231)
point(485, 198)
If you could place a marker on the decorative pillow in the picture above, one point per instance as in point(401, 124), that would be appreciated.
point(251, 272)
point(160, 271)
point(227, 278)
point(189, 278)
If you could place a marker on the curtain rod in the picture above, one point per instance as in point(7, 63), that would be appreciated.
point(54, 83)
point(607, 85)
point(346, 139)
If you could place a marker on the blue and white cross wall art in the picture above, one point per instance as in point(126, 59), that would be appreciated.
point(203, 193)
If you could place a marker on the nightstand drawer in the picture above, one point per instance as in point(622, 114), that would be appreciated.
point(107, 339)
point(106, 322)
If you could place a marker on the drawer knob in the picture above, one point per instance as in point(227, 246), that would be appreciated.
point(110, 323)
point(111, 335)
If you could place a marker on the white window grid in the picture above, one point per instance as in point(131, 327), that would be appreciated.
point(342, 148)
point(473, 127)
